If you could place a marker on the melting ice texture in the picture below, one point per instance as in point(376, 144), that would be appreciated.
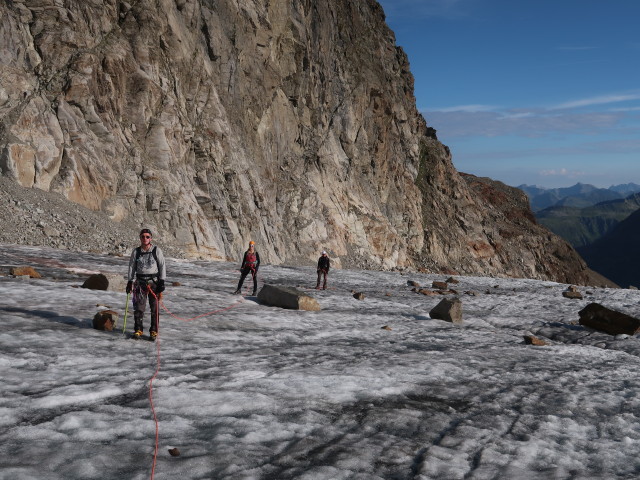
point(258, 392)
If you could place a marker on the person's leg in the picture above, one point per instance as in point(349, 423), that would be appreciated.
point(324, 285)
point(153, 306)
point(139, 306)
point(243, 275)
point(319, 278)
point(254, 274)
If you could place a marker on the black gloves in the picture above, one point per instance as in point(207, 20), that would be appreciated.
point(160, 286)
point(129, 287)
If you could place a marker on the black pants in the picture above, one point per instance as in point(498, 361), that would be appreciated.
point(321, 273)
point(140, 296)
point(244, 274)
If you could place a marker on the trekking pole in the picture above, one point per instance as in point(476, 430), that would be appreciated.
point(126, 309)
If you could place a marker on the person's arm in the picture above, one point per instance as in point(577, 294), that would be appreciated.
point(162, 268)
point(131, 273)
point(328, 264)
point(257, 260)
point(244, 260)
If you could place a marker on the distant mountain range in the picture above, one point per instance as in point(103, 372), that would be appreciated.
point(603, 224)
point(582, 226)
point(616, 255)
point(579, 195)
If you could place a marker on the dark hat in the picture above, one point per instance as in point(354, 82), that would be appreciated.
point(146, 230)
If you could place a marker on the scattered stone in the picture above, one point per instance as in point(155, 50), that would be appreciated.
point(572, 288)
point(440, 285)
point(532, 340)
point(449, 310)
point(174, 452)
point(609, 321)
point(472, 293)
point(386, 327)
point(359, 296)
point(427, 292)
point(110, 282)
point(287, 297)
point(411, 283)
point(455, 281)
point(105, 320)
point(176, 284)
point(24, 271)
point(570, 294)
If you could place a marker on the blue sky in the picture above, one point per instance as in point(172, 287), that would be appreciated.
point(543, 92)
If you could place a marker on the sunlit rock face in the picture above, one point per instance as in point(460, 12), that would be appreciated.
point(290, 123)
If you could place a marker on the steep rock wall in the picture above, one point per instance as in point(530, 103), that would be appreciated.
point(289, 122)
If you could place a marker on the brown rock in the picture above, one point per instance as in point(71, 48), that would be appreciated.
point(101, 281)
point(570, 294)
point(24, 271)
point(359, 296)
point(174, 452)
point(386, 327)
point(105, 320)
point(411, 283)
point(609, 321)
point(452, 280)
point(440, 285)
point(449, 310)
point(531, 340)
point(287, 297)
point(427, 292)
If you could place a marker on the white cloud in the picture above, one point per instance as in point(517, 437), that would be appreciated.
point(599, 100)
point(561, 172)
point(467, 108)
point(456, 123)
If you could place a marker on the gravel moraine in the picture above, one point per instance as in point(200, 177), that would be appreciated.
point(30, 216)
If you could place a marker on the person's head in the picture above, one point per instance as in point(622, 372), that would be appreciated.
point(145, 236)
point(252, 245)
point(324, 254)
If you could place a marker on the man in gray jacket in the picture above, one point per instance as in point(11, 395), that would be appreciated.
point(146, 277)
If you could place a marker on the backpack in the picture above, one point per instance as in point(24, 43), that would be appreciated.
point(153, 252)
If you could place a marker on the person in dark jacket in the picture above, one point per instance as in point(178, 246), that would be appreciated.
point(250, 263)
point(146, 276)
point(323, 270)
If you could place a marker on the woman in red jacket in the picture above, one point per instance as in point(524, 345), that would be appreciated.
point(250, 263)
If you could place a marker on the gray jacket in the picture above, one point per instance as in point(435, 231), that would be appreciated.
point(145, 264)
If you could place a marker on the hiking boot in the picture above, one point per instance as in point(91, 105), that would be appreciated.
point(237, 292)
point(324, 287)
point(137, 334)
point(254, 293)
point(153, 336)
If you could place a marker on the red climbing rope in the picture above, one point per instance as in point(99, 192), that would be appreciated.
point(155, 374)
point(153, 409)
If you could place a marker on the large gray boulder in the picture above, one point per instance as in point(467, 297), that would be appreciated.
point(108, 281)
point(609, 321)
point(449, 310)
point(287, 297)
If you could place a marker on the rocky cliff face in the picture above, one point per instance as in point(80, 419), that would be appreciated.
point(289, 122)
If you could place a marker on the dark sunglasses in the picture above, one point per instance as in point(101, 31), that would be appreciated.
point(145, 236)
